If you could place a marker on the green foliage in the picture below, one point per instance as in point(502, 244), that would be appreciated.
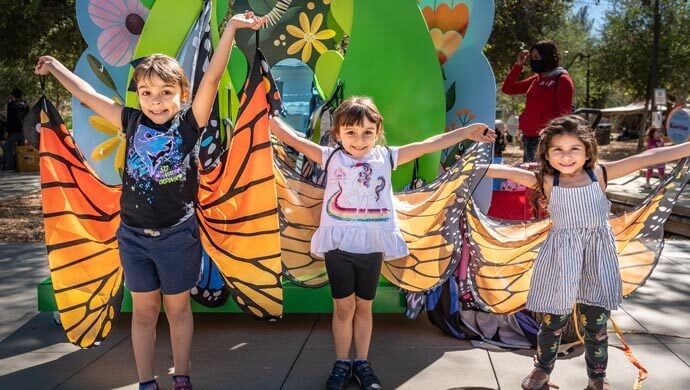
point(32, 28)
point(517, 25)
point(624, 53)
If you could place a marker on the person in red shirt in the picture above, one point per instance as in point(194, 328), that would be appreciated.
point(549, 91)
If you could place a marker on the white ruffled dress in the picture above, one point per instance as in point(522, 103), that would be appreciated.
point(358, 215)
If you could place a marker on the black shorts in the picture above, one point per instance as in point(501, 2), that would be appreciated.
point(356, 273)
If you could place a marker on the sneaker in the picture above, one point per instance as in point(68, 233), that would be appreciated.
point(536, 380)
point(365, 375)
point(598, 384)
point(340, 375)
point(150, 385)
point(182, 382)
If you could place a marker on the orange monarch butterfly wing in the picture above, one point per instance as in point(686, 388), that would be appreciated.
point(299, 205)
point(237, 206)
point(429, 219)
point(502, 256)
point(503, 252)
point(640, 231)
point(81, 216)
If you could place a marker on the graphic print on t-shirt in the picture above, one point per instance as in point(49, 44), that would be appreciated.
point(155, 157)
point(357, 199)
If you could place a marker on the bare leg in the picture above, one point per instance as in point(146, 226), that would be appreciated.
point(363, 324)
point(179, 312)
point(146, 308)
point(343, 314)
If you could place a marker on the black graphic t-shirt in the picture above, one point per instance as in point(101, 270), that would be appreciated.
point(160, 179)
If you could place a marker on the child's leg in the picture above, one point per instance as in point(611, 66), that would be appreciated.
point(548, 340)
point(363, 328)
point(343, 314)
point(648, 175)
point(146, 308)
point(596, 339)
point(662, 172)
point(178, 310)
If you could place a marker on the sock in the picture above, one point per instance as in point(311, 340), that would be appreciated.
point(175, 377)
point(346, 361)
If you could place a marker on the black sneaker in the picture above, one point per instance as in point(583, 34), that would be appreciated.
point(365, 375)
point(340, 375)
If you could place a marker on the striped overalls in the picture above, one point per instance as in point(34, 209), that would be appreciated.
point(576, 264)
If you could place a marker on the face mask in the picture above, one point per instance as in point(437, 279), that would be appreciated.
point(537, 66)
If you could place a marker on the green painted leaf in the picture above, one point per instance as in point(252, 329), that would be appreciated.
point(450, 97)
point(101, 72)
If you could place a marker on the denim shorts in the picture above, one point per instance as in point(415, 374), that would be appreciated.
point(168, 258)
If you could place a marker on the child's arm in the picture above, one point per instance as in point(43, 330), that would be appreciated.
point(286, 134)
point(518, 175)
point(208, 86)
point(102, 105)
point(476, 132)
point(647, 158)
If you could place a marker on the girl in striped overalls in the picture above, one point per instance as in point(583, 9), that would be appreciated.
point(577, 265)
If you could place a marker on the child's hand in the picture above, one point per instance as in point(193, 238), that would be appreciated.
point(479, 132)
point(43, 66)
point(247, 20)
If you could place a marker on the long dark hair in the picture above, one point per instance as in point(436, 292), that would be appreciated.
point(549, 54)
point(571, 125)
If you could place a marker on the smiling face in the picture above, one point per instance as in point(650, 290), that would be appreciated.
point(159, 100)
point(567, 154)
point(358, 139)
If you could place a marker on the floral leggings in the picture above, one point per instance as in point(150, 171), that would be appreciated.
point(594, 319)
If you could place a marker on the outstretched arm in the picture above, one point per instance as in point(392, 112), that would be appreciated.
point(518, 175)
point(102, 105)
point(286, 134)
point(208, 86)
point(477, 132)
point(647, 158)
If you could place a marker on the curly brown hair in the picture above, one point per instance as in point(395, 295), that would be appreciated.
point(571, 125)
point(352, 111)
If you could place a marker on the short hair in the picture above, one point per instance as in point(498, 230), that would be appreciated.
point(353, 110)
point(163, 66)
point(17, 93)
point(549, 53)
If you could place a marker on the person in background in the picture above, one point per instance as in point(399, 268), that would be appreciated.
point(655, 139)
point(16, 111)
point(549, 92)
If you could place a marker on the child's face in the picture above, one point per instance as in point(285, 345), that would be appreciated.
point(656, 134)
point(358, 140)
point(566, 154)
point(159, 101)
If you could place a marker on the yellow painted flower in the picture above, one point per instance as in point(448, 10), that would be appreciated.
point(106, 148)
point(308, 36)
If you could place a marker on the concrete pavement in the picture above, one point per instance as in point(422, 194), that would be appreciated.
point(232, 351)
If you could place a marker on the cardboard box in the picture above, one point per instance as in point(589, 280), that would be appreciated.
point(27, 158)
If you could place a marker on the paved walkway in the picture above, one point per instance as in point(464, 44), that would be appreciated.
point(232, 351)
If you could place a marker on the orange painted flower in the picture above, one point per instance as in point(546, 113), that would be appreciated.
point(447, 27)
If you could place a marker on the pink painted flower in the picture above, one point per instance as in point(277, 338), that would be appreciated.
point(122, 22)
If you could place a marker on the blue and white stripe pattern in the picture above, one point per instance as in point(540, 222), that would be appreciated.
point(578, 261)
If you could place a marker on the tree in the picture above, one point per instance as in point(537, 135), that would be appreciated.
point(30, 29)
point(625, 49)
point(517, 25)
